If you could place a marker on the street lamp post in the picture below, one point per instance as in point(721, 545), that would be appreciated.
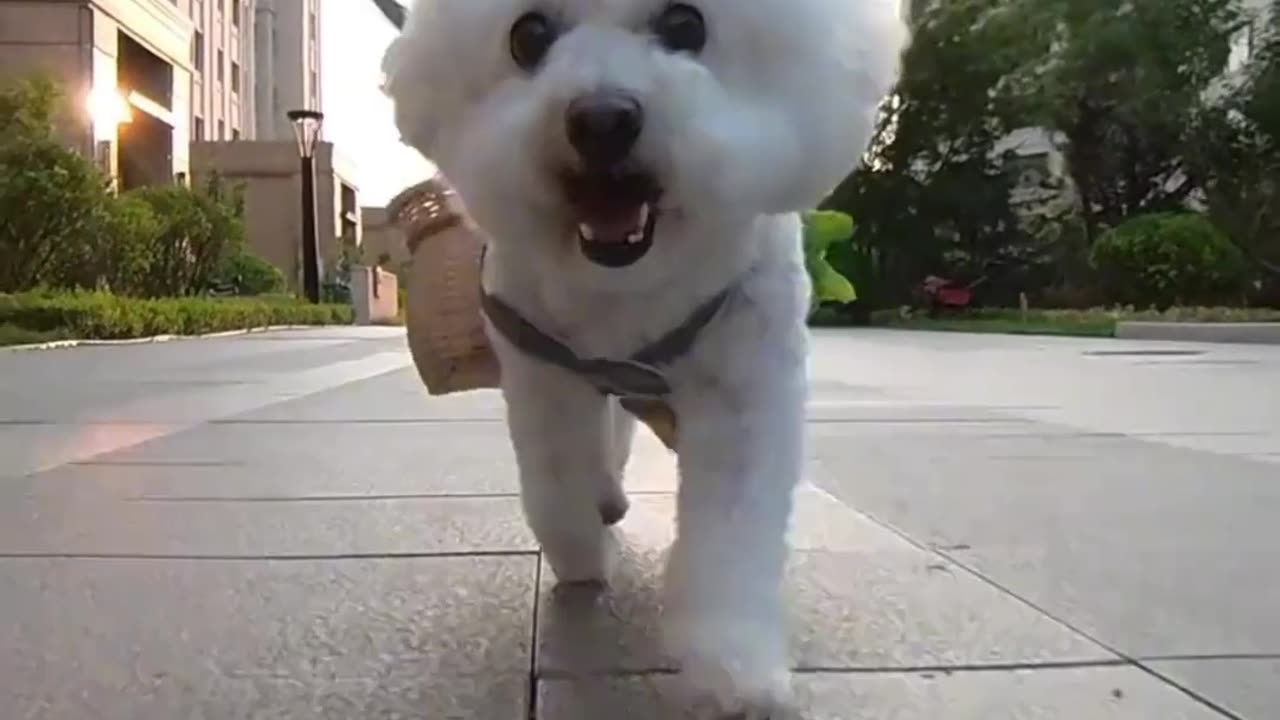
point(306, 127)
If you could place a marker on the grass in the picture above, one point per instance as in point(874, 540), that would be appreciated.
point(1096, 322)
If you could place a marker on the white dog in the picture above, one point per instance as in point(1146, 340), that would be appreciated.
point(635, 162)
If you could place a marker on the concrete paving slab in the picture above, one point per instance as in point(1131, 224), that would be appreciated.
point(295, 459)
point(86, 524)
point(180, 382)
point(1248, 687)
point(31, 447)
point(859, 597)
point(1133, 545)
point(395, 396)
point(156, 640)
point(1267, 333)
point(1110, 693)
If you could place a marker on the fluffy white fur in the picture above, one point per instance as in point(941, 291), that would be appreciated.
point(762, 123)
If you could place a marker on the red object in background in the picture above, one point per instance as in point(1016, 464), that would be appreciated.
point(945, 293)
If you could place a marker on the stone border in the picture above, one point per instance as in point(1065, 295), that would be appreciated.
point(1256, 333)
point(58, 344)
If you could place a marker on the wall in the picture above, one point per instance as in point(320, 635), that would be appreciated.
point(271, 174)
point(381, 235)
point(287, 56)
point(222, 109)
point(54, 39)
point(77, 43)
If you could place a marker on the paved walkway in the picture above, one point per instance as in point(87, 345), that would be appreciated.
point(284, 526)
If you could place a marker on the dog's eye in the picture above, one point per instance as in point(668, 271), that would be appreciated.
point(531, 38)
point(681, 28)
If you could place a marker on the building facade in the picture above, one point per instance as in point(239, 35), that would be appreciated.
point(271, 176)
point(222, 60)
point(286, 46)
point(125, 67)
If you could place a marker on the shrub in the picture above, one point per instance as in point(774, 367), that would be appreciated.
point(60, 225)
point(104, 316)
point(199, 231)
point(121, 261)
point(53, 205)
point(1168, 259)
point(247, 274)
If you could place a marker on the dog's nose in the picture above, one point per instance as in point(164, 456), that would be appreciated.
point(603, 126)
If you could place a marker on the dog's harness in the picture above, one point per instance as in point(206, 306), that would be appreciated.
point(637, 382)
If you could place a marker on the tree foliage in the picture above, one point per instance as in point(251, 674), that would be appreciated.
point(62, 226)
point(1135, 98)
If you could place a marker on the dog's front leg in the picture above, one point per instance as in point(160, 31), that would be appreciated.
point(740, 452)
point(566, 446)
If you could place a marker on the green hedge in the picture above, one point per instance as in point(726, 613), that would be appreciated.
point(103, 316)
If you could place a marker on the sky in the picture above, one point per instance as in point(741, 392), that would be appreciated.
point(353, 37)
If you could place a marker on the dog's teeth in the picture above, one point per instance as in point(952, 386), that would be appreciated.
point(635, 237)
point(644, 214)
point(586, 232)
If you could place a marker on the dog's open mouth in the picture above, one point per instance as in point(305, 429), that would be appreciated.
point(616, 215)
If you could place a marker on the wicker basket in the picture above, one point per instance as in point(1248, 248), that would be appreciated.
point(442, 308)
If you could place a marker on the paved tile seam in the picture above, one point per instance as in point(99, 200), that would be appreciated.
point(1121, 657)
point(1201, 657)
point(533, 639)
point(553, 674)
point(364, 421)
point(347, 497)
point(1124, 657)
point(1193, 694)
point(281, 557)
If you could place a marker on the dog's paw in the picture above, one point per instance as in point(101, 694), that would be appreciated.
point(728, 674)
point(579, 561)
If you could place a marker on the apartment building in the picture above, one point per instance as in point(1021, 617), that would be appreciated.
point(222, 62)
point(125, 66)
point(286, 48)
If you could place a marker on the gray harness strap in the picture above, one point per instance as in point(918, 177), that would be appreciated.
point(640, 376)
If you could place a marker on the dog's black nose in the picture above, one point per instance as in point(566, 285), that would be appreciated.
point(603, 126)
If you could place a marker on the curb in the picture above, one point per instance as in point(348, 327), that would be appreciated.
point(1252, 333)
point(58, 344)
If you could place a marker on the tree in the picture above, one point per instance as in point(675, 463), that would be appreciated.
point(1124, 82)
point(933, 195)
point(53, 201)
point(1237, 154)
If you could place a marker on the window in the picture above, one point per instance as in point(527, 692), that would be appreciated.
point(235, 13)
point(197, 129)
point(235, 76)
point(221, 62)
point(197, 51)
point(235, 133)
point(222, 130)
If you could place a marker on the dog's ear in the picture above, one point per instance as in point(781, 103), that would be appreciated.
point(402, 71)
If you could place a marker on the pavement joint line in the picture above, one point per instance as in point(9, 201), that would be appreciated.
point(1207, 657)
point(534, 632)
point(555, 674)
point(159, 499)
point(920, 421)
point(1122, 657)
point(155, 463)
point(349, 497)
point(940, 669)
point(296, 557)
point(364, 421)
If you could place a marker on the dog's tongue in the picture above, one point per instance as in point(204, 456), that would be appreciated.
point(617, 226)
